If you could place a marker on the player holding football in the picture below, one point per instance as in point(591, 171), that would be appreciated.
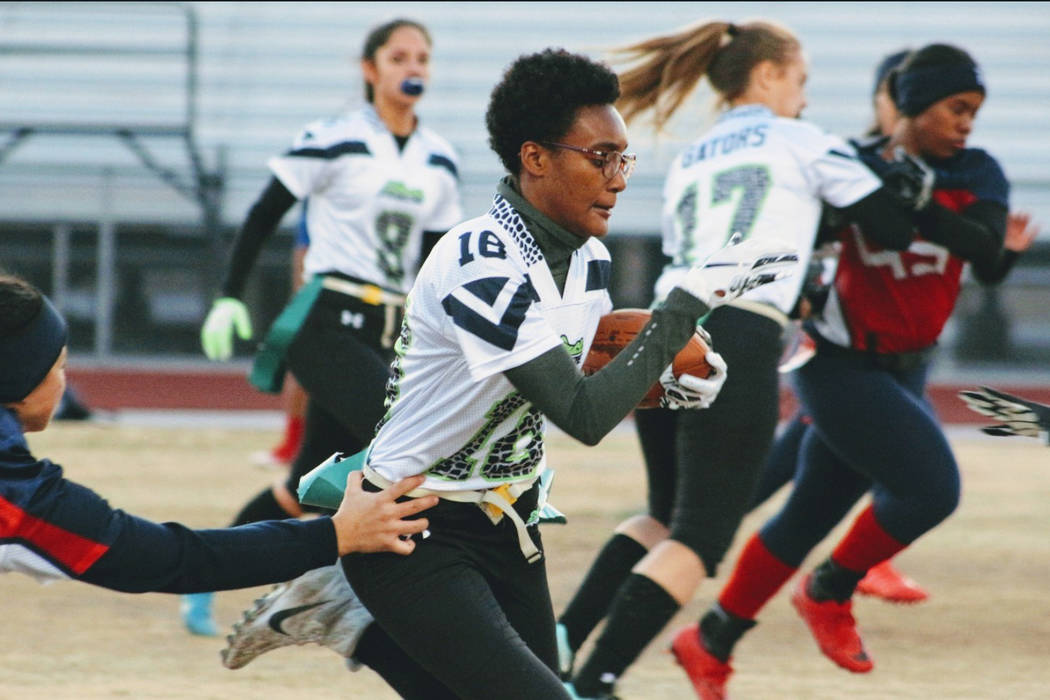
point(52, 528)
point(864, 387)
point(381, 189)
point(763, 173)
point(484, 360)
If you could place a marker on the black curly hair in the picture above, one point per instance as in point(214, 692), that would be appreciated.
point(538, 98)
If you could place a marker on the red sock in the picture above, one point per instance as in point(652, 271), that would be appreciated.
point(757, 577)
point(293, 439)
point(866, 544)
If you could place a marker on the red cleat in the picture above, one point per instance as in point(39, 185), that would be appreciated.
point(884, 581)
point(708, 674)
point(834, 628)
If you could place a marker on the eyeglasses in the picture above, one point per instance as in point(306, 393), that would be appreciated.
point(611, 162)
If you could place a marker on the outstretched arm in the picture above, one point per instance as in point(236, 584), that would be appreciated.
point(171, 558)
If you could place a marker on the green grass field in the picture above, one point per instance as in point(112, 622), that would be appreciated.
point(984, 633)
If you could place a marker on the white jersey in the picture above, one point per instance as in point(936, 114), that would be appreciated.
point(367, 204)
point(484, 302)
point(762, 176)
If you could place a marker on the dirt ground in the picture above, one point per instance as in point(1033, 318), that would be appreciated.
point(984, 633)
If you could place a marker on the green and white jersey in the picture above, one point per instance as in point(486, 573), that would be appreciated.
point(367, 203)
point(484, 302)
point(763, 176)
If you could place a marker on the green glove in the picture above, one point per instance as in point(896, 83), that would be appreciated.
point(227, 314)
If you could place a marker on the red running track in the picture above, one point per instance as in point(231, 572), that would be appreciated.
point(113, 389)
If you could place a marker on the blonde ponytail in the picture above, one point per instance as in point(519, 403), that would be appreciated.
point(669, 67)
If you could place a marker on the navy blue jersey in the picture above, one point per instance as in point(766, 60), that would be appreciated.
point(902, 299)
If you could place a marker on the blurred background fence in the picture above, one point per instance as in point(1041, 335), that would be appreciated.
point(134, 137)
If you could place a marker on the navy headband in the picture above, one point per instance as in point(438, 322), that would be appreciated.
point(28, 354)
point(887, 64)
point(916, 89)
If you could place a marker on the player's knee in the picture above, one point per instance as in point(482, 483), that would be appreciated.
point(710, 551)
point(286, 498)
point(644, 529)
point(945, 503)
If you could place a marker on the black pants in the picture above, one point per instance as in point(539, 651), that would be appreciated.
point(339, 360)
point(467, 606)
point(703, 465)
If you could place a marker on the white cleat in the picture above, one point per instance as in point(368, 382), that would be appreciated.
point(319, 607)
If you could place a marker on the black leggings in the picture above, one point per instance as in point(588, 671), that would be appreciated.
point(467, 606)
point(703, 465)
point(344, 370)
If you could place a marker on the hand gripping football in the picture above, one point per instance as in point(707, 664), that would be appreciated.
point(619, 327)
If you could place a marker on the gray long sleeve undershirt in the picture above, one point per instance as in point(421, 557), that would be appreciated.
point(588, 407)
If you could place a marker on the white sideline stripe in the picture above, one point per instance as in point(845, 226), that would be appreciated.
point(188, 418)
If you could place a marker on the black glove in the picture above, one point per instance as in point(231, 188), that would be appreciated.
point(907, 177)
point(1019, 416)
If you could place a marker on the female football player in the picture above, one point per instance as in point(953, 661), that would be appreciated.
point(863, 389)
point(484, 355)
point(52, 528)
point(763, 173)
point(497, 324)
point(495, 329)
point(380, 187)
point(883, 580)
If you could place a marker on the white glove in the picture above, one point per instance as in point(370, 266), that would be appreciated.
point(227, 314)
point(688, 391)
point(1019, 416)
point(741, 265)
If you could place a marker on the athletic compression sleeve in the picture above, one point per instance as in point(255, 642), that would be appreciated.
point(587, 408)
point(976, 234)
point(883, 219)
point(263, 217)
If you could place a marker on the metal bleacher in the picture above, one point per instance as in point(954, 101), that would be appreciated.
point(51, 56)
point(138, 133)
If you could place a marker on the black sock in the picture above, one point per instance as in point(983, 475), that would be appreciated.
point(640, 610)
point(594, 596)
point(721, 630)
point(830, 581)
point(263, 507)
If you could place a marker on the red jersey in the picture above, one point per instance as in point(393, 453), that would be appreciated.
point(891, 301)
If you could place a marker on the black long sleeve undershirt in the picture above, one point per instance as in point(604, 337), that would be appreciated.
point(262, 221)
point(430, 239)
point(588, 407)
point(883, 219)
point(1002, 268)
point(976, 234)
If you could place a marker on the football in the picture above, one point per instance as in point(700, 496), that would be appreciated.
point(618, 328)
